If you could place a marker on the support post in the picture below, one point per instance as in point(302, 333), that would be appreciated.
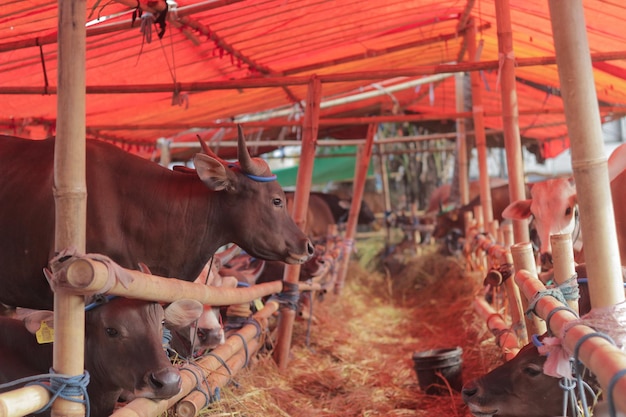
point(357, 195)
point(300, 208)
point(510, 118)
point(461, 140)
point(588, 161)
point(479, 129)
point(70, 193)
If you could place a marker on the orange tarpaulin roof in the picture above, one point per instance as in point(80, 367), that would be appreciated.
point(216, 42)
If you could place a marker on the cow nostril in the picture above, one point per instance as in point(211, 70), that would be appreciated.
point(165, 382)
point(310, 249)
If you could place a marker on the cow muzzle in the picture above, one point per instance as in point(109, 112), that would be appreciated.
point(163, 383)
point(300, 258)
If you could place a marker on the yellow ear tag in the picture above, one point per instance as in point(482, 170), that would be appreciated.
point(258, 304)
point(45, 334)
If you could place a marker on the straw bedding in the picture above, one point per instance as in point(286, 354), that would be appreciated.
point(359, 359)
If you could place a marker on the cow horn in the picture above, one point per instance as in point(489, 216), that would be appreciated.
point(208, 151)
point(249, 165)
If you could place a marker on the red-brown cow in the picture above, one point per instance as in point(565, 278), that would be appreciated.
point(123, 352)
point(138, 211)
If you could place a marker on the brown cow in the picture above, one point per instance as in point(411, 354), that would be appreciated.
point(517, 388)
point(318, 217)
point(139, 211)
point(123, 352)
point(455, 219)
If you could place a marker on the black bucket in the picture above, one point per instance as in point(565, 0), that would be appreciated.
point(432, 365)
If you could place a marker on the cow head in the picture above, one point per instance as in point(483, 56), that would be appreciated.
point(263, 229)
point(553, 205)
point(194, 327)
point(518, 388)
point(124, 351)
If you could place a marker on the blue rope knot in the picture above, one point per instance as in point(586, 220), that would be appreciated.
point(70, 388)
point(569, 288)
point(552, 292)
point(289, 296)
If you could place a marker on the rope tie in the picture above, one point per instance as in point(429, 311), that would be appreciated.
point(501, 59)
point(569, 288)
point(245, 348)
point(147, 19)
point(551, 292)
point(289, 296)
point(208, 397)
point(57, 273)
point(554, 311)
point(568, 386)
point(70, 388)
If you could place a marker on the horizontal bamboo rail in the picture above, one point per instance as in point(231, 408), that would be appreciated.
point(87, 276)
point(505, 338)
point(23, 401)
point(144, 407)
point(598, 355)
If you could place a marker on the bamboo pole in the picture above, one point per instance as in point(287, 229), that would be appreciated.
point(279, 81)
point(601, 357)
point(588, 161)
point(70, 193)
point(87, 276)
point(479, 128)
point(563, 261)
point(510, 119)
point(191, 405)
point(300, 207)
point(145, 407)
point(523, 258)
point(23, 401)
point(505, 338)
point(516, 309)
point(461, 140)
point(357, 196)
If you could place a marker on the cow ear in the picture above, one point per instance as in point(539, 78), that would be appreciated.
point(33, 320)
point(517, 210)
point(344, 204)
point(182, 313)
point(212, 173)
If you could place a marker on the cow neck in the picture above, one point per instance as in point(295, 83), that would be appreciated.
point(188, 199)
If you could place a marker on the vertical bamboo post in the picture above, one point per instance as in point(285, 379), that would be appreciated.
point(461, 139)
point(510, 119)
point(523, 259)
point(300, 208)
point(588, 161)
point(563, 260)
point(357, 195)
point(479, 128)
point(516, 310)
point(70, 192)
point(382, 159)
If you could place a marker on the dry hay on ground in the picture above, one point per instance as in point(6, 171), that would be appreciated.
point(359, 362)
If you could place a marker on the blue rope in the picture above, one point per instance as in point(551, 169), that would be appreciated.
point(610, 388)
point(256, 178)
point(552, 292)
point(577, 373)
point(67, 387)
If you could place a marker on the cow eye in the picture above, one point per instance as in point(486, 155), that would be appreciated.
point(568, 211)
point(111, 332)
point(278, 202)
point(532, 370)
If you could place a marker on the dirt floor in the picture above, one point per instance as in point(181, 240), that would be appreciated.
point(358, 358)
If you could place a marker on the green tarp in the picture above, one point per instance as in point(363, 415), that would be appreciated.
point(325, 168)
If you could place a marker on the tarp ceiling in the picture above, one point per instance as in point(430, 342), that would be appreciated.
point(142, 88)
